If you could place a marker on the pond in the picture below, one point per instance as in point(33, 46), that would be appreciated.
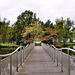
point(71, 52)
point(6, 50)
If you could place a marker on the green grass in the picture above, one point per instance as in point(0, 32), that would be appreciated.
point(71, 44)
point(8, 44)
point(68, 44)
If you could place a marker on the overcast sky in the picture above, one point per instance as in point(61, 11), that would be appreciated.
point(44, 9)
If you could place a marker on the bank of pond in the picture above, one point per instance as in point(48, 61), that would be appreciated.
point(6, 50)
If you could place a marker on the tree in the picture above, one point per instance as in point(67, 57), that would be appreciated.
point(69, 24)
point(64, 26)
point(49, 34)
point(10, 34)
point(3, 30)
point(49, 24)
point(73, 31)
point(59, 27)
point(25, 19)
point(32, 32)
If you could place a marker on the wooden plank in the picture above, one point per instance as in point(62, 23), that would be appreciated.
point(39, 63)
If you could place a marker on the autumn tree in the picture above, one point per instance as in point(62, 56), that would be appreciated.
point(49, 35)
point(32, 32)
point(25, 19)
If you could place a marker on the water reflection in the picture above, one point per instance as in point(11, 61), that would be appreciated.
point(6, 50)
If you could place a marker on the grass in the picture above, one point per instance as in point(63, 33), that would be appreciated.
point(8, 44)
point(68, 44)
point(7, 49)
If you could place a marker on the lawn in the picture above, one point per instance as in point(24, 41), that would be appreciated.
point(8, 44)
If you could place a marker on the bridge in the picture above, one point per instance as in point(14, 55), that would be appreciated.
point(38, 60)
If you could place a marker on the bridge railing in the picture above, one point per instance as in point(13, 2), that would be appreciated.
point(64, 60)
point(10, 63)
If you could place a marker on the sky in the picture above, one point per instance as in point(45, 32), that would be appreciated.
point(44, 9)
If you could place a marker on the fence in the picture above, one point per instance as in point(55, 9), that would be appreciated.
point(9, 63)
point(64, 60)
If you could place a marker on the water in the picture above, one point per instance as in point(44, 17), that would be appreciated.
point(71, 52)
point(6, 50)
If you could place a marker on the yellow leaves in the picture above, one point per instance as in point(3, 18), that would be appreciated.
point(27, 31)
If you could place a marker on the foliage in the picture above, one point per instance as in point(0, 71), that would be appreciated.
point(8, 44)
point(36, 32)
point(64, 28)
point(48, 24)
point(10, 34)
point(49, 34)
point(28, 28)
point(3, 30)
point(25, 19)
point(32, 32)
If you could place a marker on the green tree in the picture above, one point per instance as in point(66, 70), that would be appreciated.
point(59, 27)
point(3, 30)
point(10, 35)
point(64, 28)
point(25, 19)
point(49, 24)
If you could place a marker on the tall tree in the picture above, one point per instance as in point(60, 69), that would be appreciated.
point(49, 24)
point(64, 26)
point(25, 19)
point(10, 35)
point(3, 30)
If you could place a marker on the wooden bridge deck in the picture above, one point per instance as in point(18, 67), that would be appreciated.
point(39, 63)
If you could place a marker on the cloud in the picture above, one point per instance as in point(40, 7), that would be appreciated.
point(44, 9)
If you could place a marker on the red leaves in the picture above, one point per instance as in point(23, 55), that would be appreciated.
point(51, 35)
point(48, 37)
point(38, 39)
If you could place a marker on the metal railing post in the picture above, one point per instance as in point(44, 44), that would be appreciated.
point(61, 61)
point(51, 53)
point(10, 64)
point(23, 54)
point(57, 57)
point(54, 54)
point(0, 65)
point(17, 61)
point(68, 62)
point(20, 56)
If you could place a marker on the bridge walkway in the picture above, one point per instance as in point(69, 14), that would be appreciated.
point(39, 63)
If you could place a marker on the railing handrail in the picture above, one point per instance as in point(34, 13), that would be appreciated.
point(68, 49)
point(9, 54)
point(16, 62)
point(57, 55)
point(63, 48)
